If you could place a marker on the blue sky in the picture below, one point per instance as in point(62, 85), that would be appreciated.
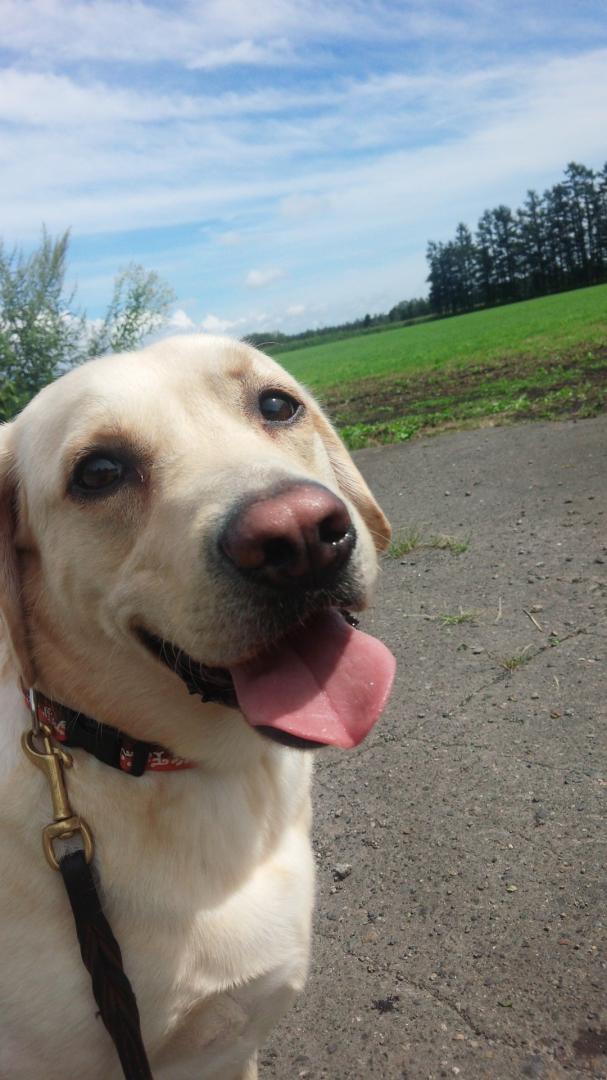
point(283, 164)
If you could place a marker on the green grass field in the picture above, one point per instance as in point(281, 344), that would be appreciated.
point(540, 359)
point(542, 327)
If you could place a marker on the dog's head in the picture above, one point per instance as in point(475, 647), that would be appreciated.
point(185, 510)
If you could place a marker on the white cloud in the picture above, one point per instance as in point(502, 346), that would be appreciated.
point(230, 238)
point(180, 320)
point(340, 177)
point(206, 34)
point(258, 279)
point(242, 52)
point(211, 324)
point(215, 324)
point(102, 159)
point(304, 205)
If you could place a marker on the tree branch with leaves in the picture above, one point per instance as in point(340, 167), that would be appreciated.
point(41, 335)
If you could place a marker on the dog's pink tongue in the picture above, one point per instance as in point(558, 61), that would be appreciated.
point(326, 683)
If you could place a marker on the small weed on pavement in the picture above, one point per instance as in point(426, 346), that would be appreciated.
point(413, 538)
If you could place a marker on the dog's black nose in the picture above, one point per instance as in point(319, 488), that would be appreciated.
point(301, 536)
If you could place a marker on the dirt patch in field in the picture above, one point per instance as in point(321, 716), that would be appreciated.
point(566, 385)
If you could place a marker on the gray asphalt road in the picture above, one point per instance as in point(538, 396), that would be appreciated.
point(468, 937)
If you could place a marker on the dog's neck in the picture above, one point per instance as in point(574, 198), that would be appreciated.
point(107, 744)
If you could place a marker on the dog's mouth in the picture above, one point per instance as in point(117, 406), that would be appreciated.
point(323, 683)
point(210, 683)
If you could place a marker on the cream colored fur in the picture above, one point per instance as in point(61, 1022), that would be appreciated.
point(207, 875)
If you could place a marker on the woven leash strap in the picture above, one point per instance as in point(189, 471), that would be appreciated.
point(103, 959)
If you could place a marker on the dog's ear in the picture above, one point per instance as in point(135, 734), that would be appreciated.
point(352, 484)
point(10, 589)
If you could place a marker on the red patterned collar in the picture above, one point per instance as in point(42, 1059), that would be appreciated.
point(105, 743)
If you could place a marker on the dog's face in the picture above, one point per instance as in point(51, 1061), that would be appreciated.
point(186, 501)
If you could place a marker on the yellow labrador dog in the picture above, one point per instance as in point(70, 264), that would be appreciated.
point(180, 533)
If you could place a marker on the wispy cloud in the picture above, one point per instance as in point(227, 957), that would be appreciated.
point(258, 279)
point(110, 159)
point(229, 238)
point(223, 33)
point(180, 320)
point(208, 34)
point(220, 141)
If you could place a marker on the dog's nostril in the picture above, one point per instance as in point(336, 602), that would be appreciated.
point(334, 528)
point(278, 552)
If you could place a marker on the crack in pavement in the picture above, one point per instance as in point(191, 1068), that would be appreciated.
point(502, 676)
point(462, 1014)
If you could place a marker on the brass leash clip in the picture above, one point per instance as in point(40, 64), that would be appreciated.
point(52, 760)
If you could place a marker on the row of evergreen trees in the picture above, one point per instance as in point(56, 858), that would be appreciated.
point(555, 241)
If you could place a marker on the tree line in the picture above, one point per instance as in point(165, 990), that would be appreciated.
point(555, 241)
point(405, 312)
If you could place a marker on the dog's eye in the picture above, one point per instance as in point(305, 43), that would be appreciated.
point(97, 472)
point(277, 407)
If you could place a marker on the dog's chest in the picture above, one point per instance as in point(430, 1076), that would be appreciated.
point(214, 942)
point(214, 983)
point(210, 982)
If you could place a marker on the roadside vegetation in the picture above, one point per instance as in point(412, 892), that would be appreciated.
point(414, 538)
point(540, 359)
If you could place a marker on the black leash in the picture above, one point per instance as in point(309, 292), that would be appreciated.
point(103, 959)
point(100, 950)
